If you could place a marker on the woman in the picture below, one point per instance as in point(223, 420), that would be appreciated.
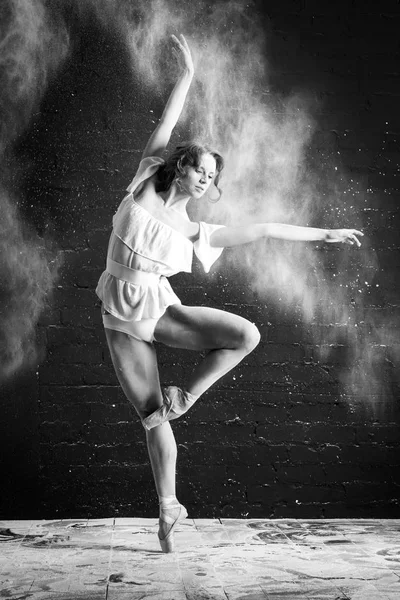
point(153, 238)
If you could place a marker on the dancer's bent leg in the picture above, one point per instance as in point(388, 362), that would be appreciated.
point(135, 364)
point(229, 338)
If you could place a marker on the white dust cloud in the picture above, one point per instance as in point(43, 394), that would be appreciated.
point(32, 46)
point(27, 276)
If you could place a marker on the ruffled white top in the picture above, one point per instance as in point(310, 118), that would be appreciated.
point(156, 248)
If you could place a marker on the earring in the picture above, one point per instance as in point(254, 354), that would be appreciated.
point(179, 183)
point(215, 199)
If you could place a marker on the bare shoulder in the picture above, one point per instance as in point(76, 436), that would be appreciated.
point(146, 194)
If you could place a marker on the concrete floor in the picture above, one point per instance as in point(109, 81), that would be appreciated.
point(225, 559)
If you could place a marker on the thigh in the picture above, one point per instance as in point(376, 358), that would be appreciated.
point(202, 328)
point(135, 364)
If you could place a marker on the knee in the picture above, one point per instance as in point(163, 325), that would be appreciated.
point(250, 337)
point(146, 409)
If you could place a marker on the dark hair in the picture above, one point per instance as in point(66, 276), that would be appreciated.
point(186, 154)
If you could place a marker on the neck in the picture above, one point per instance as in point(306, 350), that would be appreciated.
point(175, 198)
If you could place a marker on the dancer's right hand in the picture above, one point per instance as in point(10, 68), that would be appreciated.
point(182, 53)
point(344, 236)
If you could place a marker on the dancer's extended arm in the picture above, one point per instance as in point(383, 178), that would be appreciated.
point(235, 236)
point(161, 135)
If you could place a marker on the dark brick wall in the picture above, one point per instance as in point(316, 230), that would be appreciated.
point(278, 437)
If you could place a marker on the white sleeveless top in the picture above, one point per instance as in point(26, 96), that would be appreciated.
point(156, 248)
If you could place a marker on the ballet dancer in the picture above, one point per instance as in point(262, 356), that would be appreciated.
point(153, 238)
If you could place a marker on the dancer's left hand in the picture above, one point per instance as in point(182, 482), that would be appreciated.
point(182, 52)
point(345, 236)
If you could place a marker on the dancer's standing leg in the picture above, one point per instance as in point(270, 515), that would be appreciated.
point(135, 364)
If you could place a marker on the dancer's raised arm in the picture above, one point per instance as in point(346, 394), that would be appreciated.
point(161, 135)
point(235, 236)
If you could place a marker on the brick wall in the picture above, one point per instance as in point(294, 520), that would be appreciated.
point(278, 437)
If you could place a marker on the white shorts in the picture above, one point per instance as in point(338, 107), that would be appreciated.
point(141, 330)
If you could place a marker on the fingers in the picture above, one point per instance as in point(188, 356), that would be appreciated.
point(177, 49)
point(184, 42)
point(349, 236)
point(352, 239)
point(354, 234)
point(181, 43)
point(182, 52)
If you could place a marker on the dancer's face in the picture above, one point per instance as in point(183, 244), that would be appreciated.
point(198, 179)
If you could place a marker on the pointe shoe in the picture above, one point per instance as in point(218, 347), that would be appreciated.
point(175, 403)
point(167, 543)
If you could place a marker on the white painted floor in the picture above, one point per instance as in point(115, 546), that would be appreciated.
point(225, 559)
